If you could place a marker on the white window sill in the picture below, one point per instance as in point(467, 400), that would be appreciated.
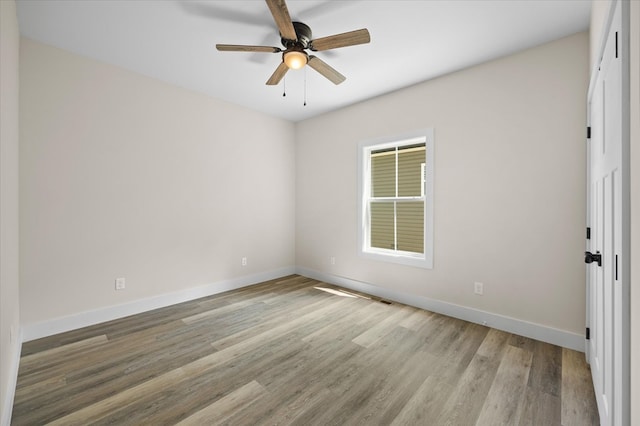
point(402, 258)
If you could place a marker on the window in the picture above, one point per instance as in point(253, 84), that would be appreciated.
point(396, 193)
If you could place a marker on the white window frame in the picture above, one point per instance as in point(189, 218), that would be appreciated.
point(424, 260)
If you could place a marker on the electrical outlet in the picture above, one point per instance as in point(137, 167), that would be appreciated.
point(478, 288)
point(244, 261)
point(120, 283)
point(332, 260)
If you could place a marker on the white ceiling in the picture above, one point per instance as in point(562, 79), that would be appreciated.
point(411, 41)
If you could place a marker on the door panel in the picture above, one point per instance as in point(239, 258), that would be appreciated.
point(605, 296)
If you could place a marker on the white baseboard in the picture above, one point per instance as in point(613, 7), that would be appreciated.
point(543, 333)
point(7, 404)
point(512, 325)
point(84, 319)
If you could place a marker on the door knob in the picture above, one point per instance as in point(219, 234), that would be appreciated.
point(591, 257)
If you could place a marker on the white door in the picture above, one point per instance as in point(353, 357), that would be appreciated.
point(605, 244)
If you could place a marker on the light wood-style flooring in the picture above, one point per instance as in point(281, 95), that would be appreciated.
point(298, 351)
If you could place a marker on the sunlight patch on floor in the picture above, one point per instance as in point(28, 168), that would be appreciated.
point(342, 293)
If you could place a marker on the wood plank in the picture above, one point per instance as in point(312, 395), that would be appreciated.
point(308, 382)
point(218, 312)
point(381, 329)
point(469, 394)
point(503, 405)
point(578, 397)
point(416, 320)
point(101, 409)
point(457, 350)
point(352, 325)
point(26, 393)
point(397, 387)
point(220, 410)
point(64, 350)
point(493, 345)
point(369, 386)
point(546, 369)
point(540, 408)
point(425, 404)
point(293, 409)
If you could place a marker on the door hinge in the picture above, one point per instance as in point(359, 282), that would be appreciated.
point(589, 132)
point(588, 233)
point(616, 44)
point(588, 333)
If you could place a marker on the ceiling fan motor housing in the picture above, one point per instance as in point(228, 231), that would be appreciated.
point(303, 32)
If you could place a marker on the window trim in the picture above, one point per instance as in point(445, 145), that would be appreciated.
point(424, 260)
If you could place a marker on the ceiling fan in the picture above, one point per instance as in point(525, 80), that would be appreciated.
point(296, 38)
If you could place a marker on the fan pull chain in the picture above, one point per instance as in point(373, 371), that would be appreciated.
point(284, 87)
point(305, 87)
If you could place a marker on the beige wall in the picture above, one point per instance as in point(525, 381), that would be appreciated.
point(509, 185)
point(125, 176)
point(9, 315)
point(635, 210)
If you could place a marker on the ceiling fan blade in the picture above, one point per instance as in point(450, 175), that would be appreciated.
point(244, 48)
point(323, 68)
point(351, 38)
point(278, 74)
point(281, 16)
